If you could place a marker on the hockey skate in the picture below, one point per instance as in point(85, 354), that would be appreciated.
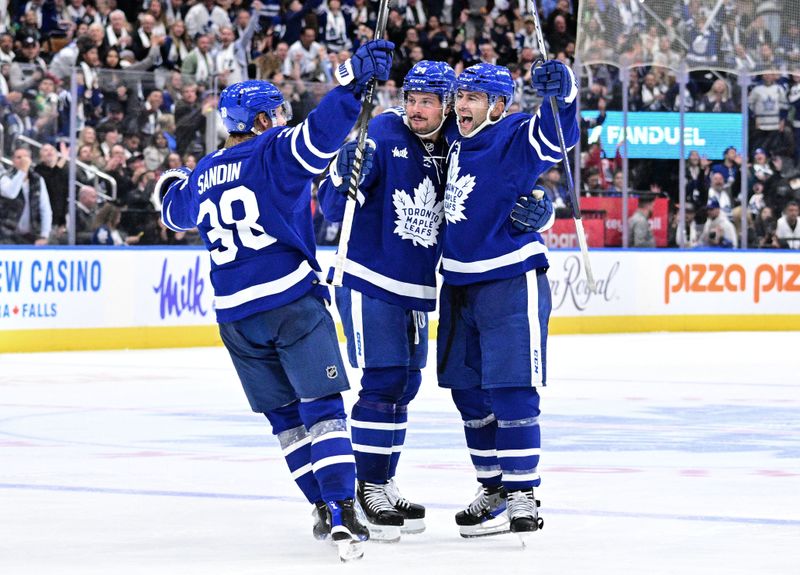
point(523, 511)
point(322, 521)
point(413, 513)
point(382, 519)
point(346, 531)
point(485, 515)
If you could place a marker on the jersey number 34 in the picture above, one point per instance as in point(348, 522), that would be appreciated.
point(251, 234)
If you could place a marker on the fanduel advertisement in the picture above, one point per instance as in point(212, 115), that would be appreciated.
point(657, 134)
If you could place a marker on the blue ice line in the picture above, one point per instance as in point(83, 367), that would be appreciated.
point(246, 497)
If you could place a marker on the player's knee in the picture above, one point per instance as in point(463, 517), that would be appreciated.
point(514, 403)
point(284, 417)
point(473, 404)
point(413, 383)
point(383, 384)
point(312, 411)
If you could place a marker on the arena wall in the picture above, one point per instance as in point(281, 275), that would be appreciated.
point(110, 298)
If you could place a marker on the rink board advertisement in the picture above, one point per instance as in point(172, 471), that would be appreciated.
point(55, 299)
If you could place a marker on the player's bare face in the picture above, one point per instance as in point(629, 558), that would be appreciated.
point(471, 110)
point(424, 112)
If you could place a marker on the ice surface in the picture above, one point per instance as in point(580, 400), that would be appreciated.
point(662, 454)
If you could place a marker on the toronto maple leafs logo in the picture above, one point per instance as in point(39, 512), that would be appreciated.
point(458, 188)
point(418, 218)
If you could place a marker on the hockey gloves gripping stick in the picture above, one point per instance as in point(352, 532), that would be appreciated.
point(342, 169)
point(533, 213)
point(553, 78)
point(372, 60)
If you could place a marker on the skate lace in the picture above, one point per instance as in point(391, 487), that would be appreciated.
point(375, 497)
point(521, 504)
point(480, 504)
point(394, 496)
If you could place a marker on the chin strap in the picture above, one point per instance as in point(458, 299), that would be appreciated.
point(488, 121)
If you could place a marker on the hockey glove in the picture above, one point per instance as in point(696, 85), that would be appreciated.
point(166, 180)
point(531, 214)
point(554, 78)
point(372, 60)
point(342, 169)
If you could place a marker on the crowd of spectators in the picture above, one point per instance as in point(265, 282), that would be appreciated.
point(148, 75)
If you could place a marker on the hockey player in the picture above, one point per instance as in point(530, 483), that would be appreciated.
point(250, 202)
point(389, 282)
point(495, 300)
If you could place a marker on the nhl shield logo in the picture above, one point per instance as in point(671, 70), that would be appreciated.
point(331, 372)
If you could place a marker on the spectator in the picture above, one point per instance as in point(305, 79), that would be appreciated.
point(306, 53)
point(718, 231)
point(161, 23)
point(155, 154)
point(106, 228)
point(652, 93)
point(787, 231)
point(718, 99)
point(117, 31)
point(231, 57)
point(271, 63)
point(618, 184)
point(719, 191)
point(53, 170)
point(178, 45)
point(639, 224)
point(206, 18)
point(698, 174)
point(25, 213)
point(198, 64)
point(769, 107)
point(336, 27)
point(556, 191)
point(85, 211)
point(730, 167)
point(6, 48)
point(150, 114)
point(436, 42)
point(28, 68)
point(794, 101)
point(765, 227)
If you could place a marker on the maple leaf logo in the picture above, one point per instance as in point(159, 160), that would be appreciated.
point(457, 190)
point(418, 219)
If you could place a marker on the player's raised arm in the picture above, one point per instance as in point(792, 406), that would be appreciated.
point(554, 78)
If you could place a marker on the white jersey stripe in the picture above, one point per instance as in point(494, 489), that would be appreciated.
point(333, 460)
point(391, 285)
point(516, 257)
point(302, 471)
point(486, 474)
point(510, 477)
point(289, 449)
point(341, 434)
point(547, 142)
point(263, 290)
point(535, 143)
point(483, 452)
point(312, 148)
point(377, 425)
point(519, 452)
point(534, 329)
point(372, 449)
point(299, 158)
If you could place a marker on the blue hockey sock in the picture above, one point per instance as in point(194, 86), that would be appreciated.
point(414, 381)
point(373, 421)
point(296, 445)
point(480, 427)
point(331, 453)
point(518, 438)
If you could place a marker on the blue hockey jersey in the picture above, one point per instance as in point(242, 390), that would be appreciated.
point(251, 204)
point(486, 175)
point(394, 245)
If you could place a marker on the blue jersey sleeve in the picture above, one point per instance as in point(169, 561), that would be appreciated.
point(331, 201)
point(542, 135)
point(178, 208)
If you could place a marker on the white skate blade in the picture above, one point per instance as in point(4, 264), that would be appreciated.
point(525, 537)
point(384, 533)
point(495, 526)
point(350, 550)
point(413, 526)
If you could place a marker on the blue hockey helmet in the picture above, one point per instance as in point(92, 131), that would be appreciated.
point(432, 77)
point(495, 81)
point(240, 103)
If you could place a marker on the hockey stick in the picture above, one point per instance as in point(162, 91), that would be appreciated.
point(576, 208)
point(367, 105)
